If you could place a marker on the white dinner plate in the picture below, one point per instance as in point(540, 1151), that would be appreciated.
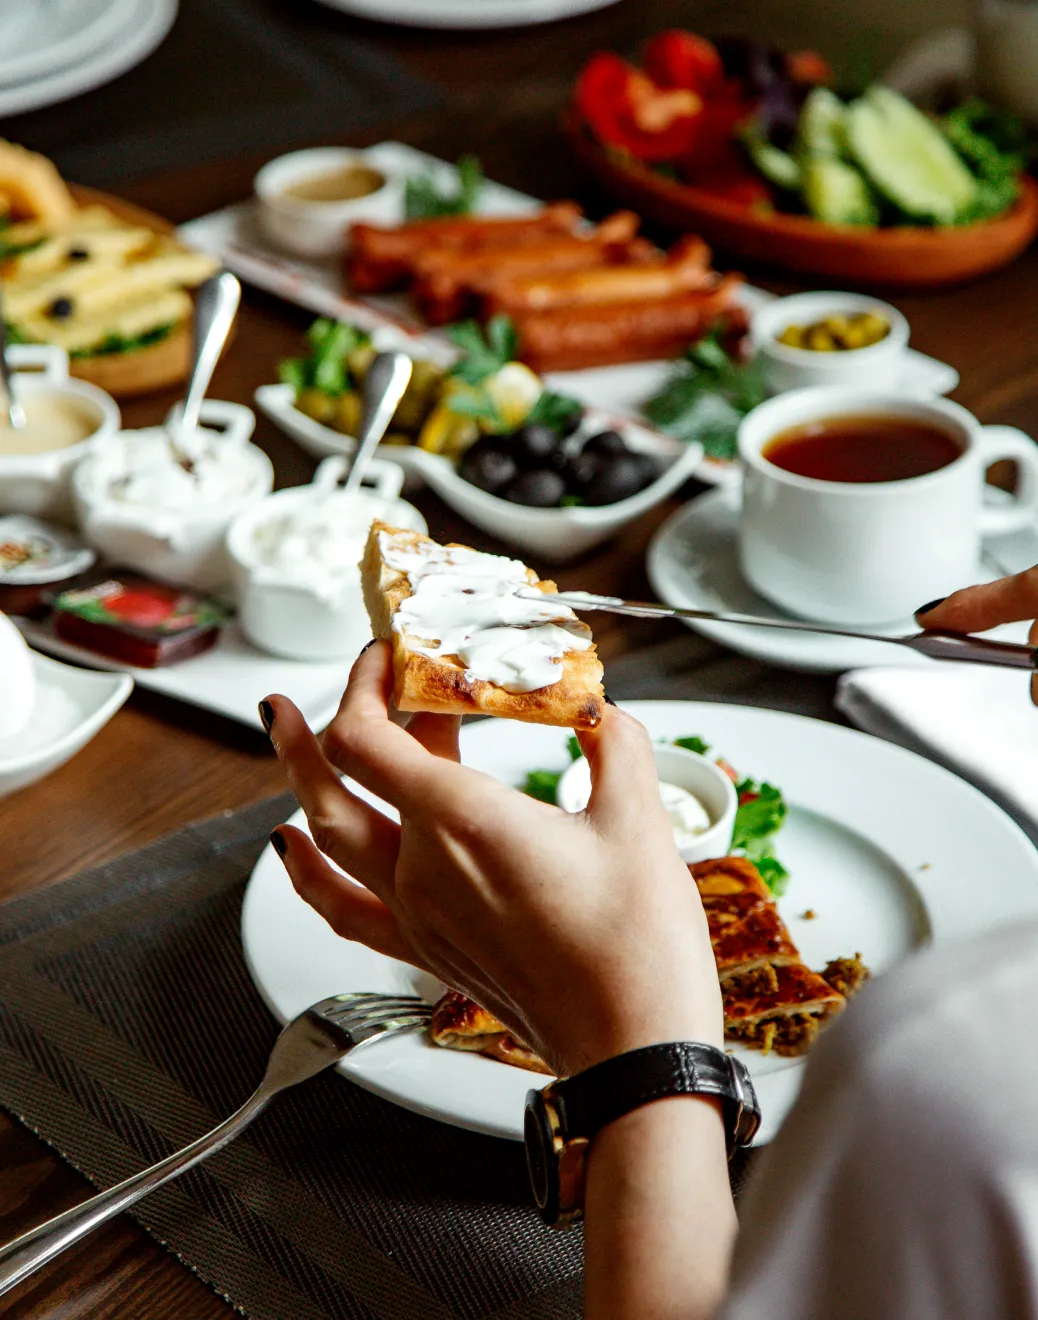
point(889, 850)
point(693, 563)
point(466, 13)
point(144, 26)
point(53, 35)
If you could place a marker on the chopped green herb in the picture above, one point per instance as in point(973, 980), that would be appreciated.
point(483, 352)
point(542, 785)
point(554, 410)
point(424, 199)
point(693, 744)
point(573, 747)
point(707, 397)
point(325, 367)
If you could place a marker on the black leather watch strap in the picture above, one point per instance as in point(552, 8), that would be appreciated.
point(590, 1100)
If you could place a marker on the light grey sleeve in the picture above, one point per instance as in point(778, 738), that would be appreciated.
point(904, 1185)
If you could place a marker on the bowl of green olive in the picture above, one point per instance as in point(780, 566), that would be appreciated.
point(826, 339)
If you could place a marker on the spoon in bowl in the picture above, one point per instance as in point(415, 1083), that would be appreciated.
point(15, 412)
point(384, 387)
point(216, 305)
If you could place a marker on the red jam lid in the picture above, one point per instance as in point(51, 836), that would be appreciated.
point(33, 553)
point(132, 604)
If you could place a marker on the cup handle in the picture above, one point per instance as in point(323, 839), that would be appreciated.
point(1008, 442)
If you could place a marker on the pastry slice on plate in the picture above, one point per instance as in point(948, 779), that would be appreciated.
point(460, 1024)
point(474, 633)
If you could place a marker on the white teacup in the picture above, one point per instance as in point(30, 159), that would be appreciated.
point(871, 553)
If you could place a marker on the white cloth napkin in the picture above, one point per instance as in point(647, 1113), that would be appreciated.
point(978, 722)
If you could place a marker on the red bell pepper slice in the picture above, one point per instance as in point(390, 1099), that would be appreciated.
point(681, 59)
point(626, 109)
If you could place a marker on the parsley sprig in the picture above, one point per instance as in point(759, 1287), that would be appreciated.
point(425, 199)
point(324, 368)
point(707, 397)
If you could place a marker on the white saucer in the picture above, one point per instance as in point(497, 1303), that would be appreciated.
point(144, 25)
point(693, 563)
point(466, 14)
point(58, 35)
point(72, 705)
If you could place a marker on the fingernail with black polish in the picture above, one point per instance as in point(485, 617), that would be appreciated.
point(278, 843)
point(368, 645)
point(266, 714)
point(925, 609)
point(608, 699)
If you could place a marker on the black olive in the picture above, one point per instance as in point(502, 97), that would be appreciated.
point(620, 477)
point(61, 309)
point(541, 489)
point(534, 446)
point(606, 442)
point(571, 423)
point(580, 470)
point(488, 466)
point(78, 254)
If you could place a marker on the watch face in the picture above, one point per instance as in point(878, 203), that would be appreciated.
point(540, 1157)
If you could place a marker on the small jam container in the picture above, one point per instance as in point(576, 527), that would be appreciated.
point(295, 561)
point(303, 206)
point(696, 774)
point(36, 480)
point(37, 559)
point(176, 541)
point(788, 368)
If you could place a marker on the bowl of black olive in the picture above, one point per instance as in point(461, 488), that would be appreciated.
point(559, 490)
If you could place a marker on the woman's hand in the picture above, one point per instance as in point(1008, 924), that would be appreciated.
point(976, 609)
point(584, 934)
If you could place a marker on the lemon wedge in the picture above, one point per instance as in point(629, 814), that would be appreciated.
point(514, 389)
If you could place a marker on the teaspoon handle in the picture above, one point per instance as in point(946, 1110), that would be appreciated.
point(216, 305)
point(384, 387)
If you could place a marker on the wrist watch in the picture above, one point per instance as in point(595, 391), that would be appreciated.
point(562, 1119)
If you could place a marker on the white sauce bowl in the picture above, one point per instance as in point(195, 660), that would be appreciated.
point(696, 774)
point(284, 614)
point(321, 229)
point(787, 368)
point(39, 484)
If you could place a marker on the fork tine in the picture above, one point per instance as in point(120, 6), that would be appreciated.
point(376, 1016)
point(352, 1008)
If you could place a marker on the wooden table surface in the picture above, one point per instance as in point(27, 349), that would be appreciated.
point(159, 765)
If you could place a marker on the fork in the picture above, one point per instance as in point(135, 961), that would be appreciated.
point(322, 1035)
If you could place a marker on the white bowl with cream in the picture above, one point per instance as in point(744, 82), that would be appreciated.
point(295, 561)
point(65, 417)
point(308, 199)
point(162, 504)
point(699, 797)
point(788, 368)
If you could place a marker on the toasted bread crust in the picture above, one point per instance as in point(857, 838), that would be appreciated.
point(442, 685)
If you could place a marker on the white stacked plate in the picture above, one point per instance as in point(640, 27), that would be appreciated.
point(52, 50)
point(466, 13)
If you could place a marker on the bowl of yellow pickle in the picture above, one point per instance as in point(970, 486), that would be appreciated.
point(827, 339)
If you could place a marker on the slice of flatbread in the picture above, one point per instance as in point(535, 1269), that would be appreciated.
point(474, 633)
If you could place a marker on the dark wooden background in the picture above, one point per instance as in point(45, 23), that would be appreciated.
point(159, 765)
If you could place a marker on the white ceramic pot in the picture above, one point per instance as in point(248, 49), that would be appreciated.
point(870, 553)
point(787, 368)
point(696, 774)
point(183, 546)
point(306, 610)
point(321, 229)
point(38, 484)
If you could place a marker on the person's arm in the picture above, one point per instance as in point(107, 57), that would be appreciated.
point(584, 934)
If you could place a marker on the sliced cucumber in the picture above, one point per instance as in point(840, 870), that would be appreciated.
point(822, 129)
point(777, 166)
point(837, 193)
point(907, 158)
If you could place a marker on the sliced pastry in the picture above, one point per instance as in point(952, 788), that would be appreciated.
point(460, 1024)
point(475, 633)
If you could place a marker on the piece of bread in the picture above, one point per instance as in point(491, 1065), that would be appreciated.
point(443, 683)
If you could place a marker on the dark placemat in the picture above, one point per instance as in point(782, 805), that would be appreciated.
point(129, 1026)
point(233, 76)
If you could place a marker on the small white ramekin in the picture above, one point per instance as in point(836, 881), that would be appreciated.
point(674, 765)
point(787, 368)
point(38, 484)
point(321, 229)
point(287, 617)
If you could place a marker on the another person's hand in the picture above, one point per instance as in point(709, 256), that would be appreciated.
point(976, 609)
point(584, 934)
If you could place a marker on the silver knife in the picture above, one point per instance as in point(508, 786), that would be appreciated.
point(937, 645)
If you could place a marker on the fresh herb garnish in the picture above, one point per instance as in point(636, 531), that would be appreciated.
point(693, 744)
point(554, 410)
point(996, 147)
point(759, 817)
point(543, 784)
point(424, 199)
point(707, 397)
point(324, 368)
point(483, 351)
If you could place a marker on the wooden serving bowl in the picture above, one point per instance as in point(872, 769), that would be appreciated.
point(907, 257)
